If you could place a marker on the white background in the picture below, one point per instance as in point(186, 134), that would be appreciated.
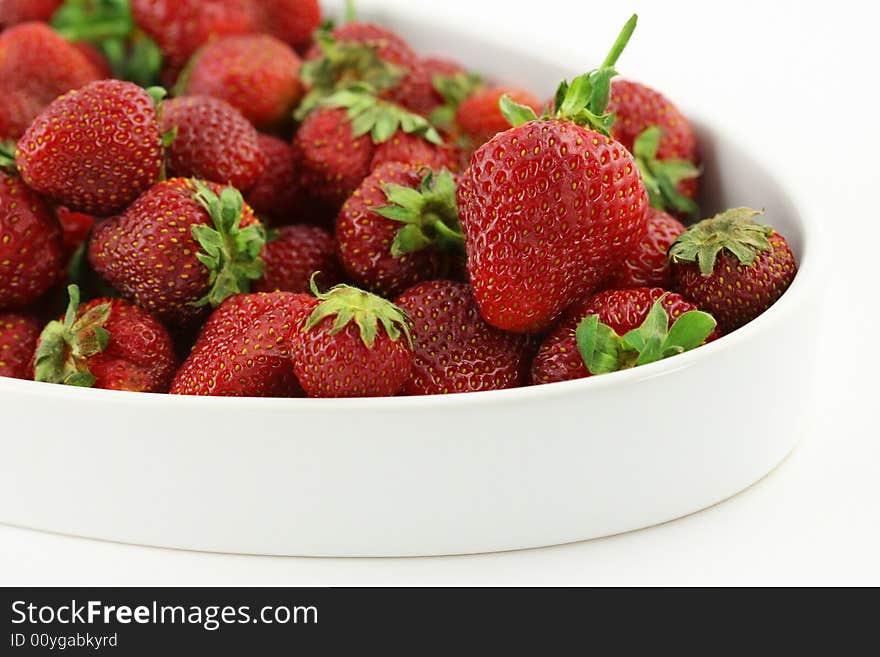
point(795, 81)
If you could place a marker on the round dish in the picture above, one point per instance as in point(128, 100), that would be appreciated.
point(432, 475)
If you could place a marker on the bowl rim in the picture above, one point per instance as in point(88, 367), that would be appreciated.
point(806, 282)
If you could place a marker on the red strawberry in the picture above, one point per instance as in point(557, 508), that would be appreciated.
point(243, 351)
point(391, 47)
point(732, 266)
point(17, 111)
point(94, 150)
point(108, 343)
point(13, 12)
point(36, 66)
point(257, 74)
point(648, 265)
point(292, 21)
point(336, 145)
point(353, 344)
point(662, 140)
point(454, 349)
point(354, 53)
point(418, 91)
point(277, 193)
point(18, 339)
point(96, 58)
point(550, 208)
point(30, 245)
point(75, 229)
point(620, 311)
point(415, 151)
point(333, 160)
point(182, 246)
point(479, 117)
point(400, 227)
point(212, 140)
point(181, 27)
point(294, 255)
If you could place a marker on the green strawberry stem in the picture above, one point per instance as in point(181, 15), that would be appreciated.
point(662, 177)
point(230, 253)
point(7, 156)
point(621, 42)
point(109, 25)
point(65, 347)
point(340, 66)
point(734, 231)
point(378, 118)
point(93, 21)
point(351, 14)
point(429, 215)
point(347, 303)
point(603, 351)
point(454, 89)
point(585, 100)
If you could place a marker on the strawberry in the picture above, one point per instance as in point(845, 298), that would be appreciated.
point(276, 196)
point(550, 208)
point(479, 116)
point(243, 351)
point(454, 349)
point(400, 227)
point(354, 53)
point(257, 74)
point(13, 12)
point(351, 344)
point(18, 339)
point(418, 91)
point(94, 150)
point(75, 229)
point(732, 266)
point(212, 140)
point(181, 27)
point(104, 31)
point(647, 264)
point(388, 45)
point(336, 145)
point(182, 246)
point(590, 331)
point(416, 151)
point(662, 141)
point(36, 66)
point(96, 58)
point(294, 254)
point(107, 343)
point(30, 245)
point(292, 21)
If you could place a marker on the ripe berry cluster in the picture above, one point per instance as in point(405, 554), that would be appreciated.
point(231, 197)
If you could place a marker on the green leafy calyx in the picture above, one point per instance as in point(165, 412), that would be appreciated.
point(378, 118)
point(454, 89)
point(733, 230)
point(429, 215)
point(584, 101)
point(231, 253)
point(346, 304)
point(7, 156)
point(661, 177)
point(66, 346)
point(340, 65)
point(109, 26)
point(603, 351)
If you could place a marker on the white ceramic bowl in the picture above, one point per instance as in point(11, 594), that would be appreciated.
point(433, 475)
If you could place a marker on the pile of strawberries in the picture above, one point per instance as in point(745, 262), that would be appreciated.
point(231, 198)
